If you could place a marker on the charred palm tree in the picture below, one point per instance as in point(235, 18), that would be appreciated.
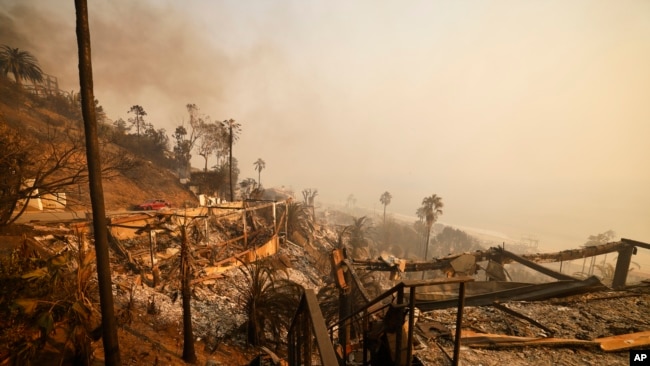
point(359, 236)
point(189, 353)
point(269, 301)
point(234, 129)
point(299, 220)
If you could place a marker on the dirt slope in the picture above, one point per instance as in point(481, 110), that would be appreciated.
point(128, 188)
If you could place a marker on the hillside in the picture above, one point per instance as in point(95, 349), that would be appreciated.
point(37, 117)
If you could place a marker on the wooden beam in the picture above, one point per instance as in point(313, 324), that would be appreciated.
point(537, 267)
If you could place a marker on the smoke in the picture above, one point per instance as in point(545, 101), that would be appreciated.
point(8, 33)
point(529, 124)
point(152, 55)
point(162, 56)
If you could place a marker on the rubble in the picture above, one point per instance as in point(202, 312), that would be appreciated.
point(569, 322)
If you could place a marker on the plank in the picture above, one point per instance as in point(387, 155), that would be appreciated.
point(624, 342)
point(474, 339)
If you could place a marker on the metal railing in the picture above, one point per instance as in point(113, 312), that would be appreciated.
point(397, 295)
point(308, 328)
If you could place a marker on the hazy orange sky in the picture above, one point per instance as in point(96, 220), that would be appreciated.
point(527, 117)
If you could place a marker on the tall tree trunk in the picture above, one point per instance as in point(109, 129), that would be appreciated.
point(232, 195)
point(189, 354)
point(253, 329)
point(385, 228)
point(109, 327)
point(426, 247)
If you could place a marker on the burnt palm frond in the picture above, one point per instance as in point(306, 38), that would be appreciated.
point(270, 302)
point(299, 219)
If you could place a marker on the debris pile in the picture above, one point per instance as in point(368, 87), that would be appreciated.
point(573, 327)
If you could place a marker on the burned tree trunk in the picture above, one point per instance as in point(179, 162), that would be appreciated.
point(109, 326)
point(189, 354)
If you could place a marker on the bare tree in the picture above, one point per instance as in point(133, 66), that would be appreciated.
point(52, 162)
point(138, 120)
point(210, 141)
point(187, 138)
point(309, 195)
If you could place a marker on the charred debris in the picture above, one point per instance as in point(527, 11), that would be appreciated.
point(349, 311)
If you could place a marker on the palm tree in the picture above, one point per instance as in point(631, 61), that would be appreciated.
point(269, 301)
point(259, 166)
point(351, 201)
point(385, 200)
point(234, 129)
point(299, 219)
point(358, 236)
point(431, 208)
point(22, 64)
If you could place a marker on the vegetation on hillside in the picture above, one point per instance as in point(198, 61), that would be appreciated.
point(42, 159)
point(42, 140)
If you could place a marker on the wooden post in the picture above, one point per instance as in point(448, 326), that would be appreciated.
point(274, 218)
point(245, 235)
point(398, 332)
point(152, 239)
point(459, 323)
point(623, 266)
point(409, 355)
